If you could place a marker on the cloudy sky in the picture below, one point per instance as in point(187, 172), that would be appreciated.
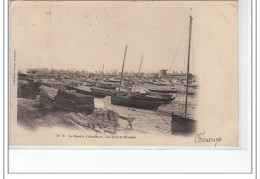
point(85, 35)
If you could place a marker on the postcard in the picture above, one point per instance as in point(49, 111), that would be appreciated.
point(124, 73)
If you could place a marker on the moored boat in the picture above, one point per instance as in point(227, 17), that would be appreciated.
point(112, 80)
point(106, 85)
point(134, 103)
point(183, 125)
point(159, 94)
point(151, 98)
point(163, 90)
point(84, 90)
point(102, 91)
point(131, 100)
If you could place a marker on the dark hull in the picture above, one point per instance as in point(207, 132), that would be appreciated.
point(151, 98)
point(182, 126)
point(81, 91)
point(163, 91)
point(160, 94)
point(101, 91)
point(141, 104)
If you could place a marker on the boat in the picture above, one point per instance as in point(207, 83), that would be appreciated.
point(112, 80)
point(147, 81)
point(106, 85)
point(162, 90)
point(134, 103)
point(140, 81)
point(183, 125)
point(155, 82)
point(91, 82)
point(152, 98)
point(102, 91)
point(84, 90)
point(159, 83)
point(159, 94)
point(128, 100)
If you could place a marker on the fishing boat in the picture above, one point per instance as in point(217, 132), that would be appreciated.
point(128, 101)
point(101, 91)
point(160, 94)
point(147, 81)
point(112, 80)
point(183, 125)
point(91, 82)
point(106, 85)
point(140, 81)
point(134, 103)
point(162, 89)
point(84, 90)
point(151, 97)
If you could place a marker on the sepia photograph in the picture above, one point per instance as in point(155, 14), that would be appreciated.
point(114, 73)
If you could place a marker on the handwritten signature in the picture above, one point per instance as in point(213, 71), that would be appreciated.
point(201, 138)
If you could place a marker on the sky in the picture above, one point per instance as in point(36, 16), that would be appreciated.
point(84, 35)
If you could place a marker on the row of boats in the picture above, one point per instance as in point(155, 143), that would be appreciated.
point(146, 99)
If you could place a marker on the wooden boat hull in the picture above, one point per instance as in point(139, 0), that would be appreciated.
point(163, 91)
point(106, 86)
point(128, 102)
point(182, 126)
point(101, 91)
point(160, 94)
point(85, 92)
point(112, 81)
point(151, 98)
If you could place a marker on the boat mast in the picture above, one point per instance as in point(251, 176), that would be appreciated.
point(140, 65)
point(138, 71)
point(102, 69)
point(122, 70)
point(188, 66)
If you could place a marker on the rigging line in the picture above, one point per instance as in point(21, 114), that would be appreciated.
point(163, 119)
point(178, 46)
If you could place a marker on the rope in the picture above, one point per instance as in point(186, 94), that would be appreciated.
point(174, 57)
point(163, 119)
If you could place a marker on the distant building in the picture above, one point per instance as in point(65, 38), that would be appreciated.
point(162, 73)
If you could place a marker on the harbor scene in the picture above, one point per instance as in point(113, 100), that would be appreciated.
point(133, 94)
point(157, 73)
point(94, 102)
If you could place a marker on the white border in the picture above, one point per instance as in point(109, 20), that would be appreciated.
point(173, 161)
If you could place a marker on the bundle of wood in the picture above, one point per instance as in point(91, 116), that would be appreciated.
point(72, 101)
point(82, 121)
point(47, 95)
point(100, 121)
point(106, 117)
